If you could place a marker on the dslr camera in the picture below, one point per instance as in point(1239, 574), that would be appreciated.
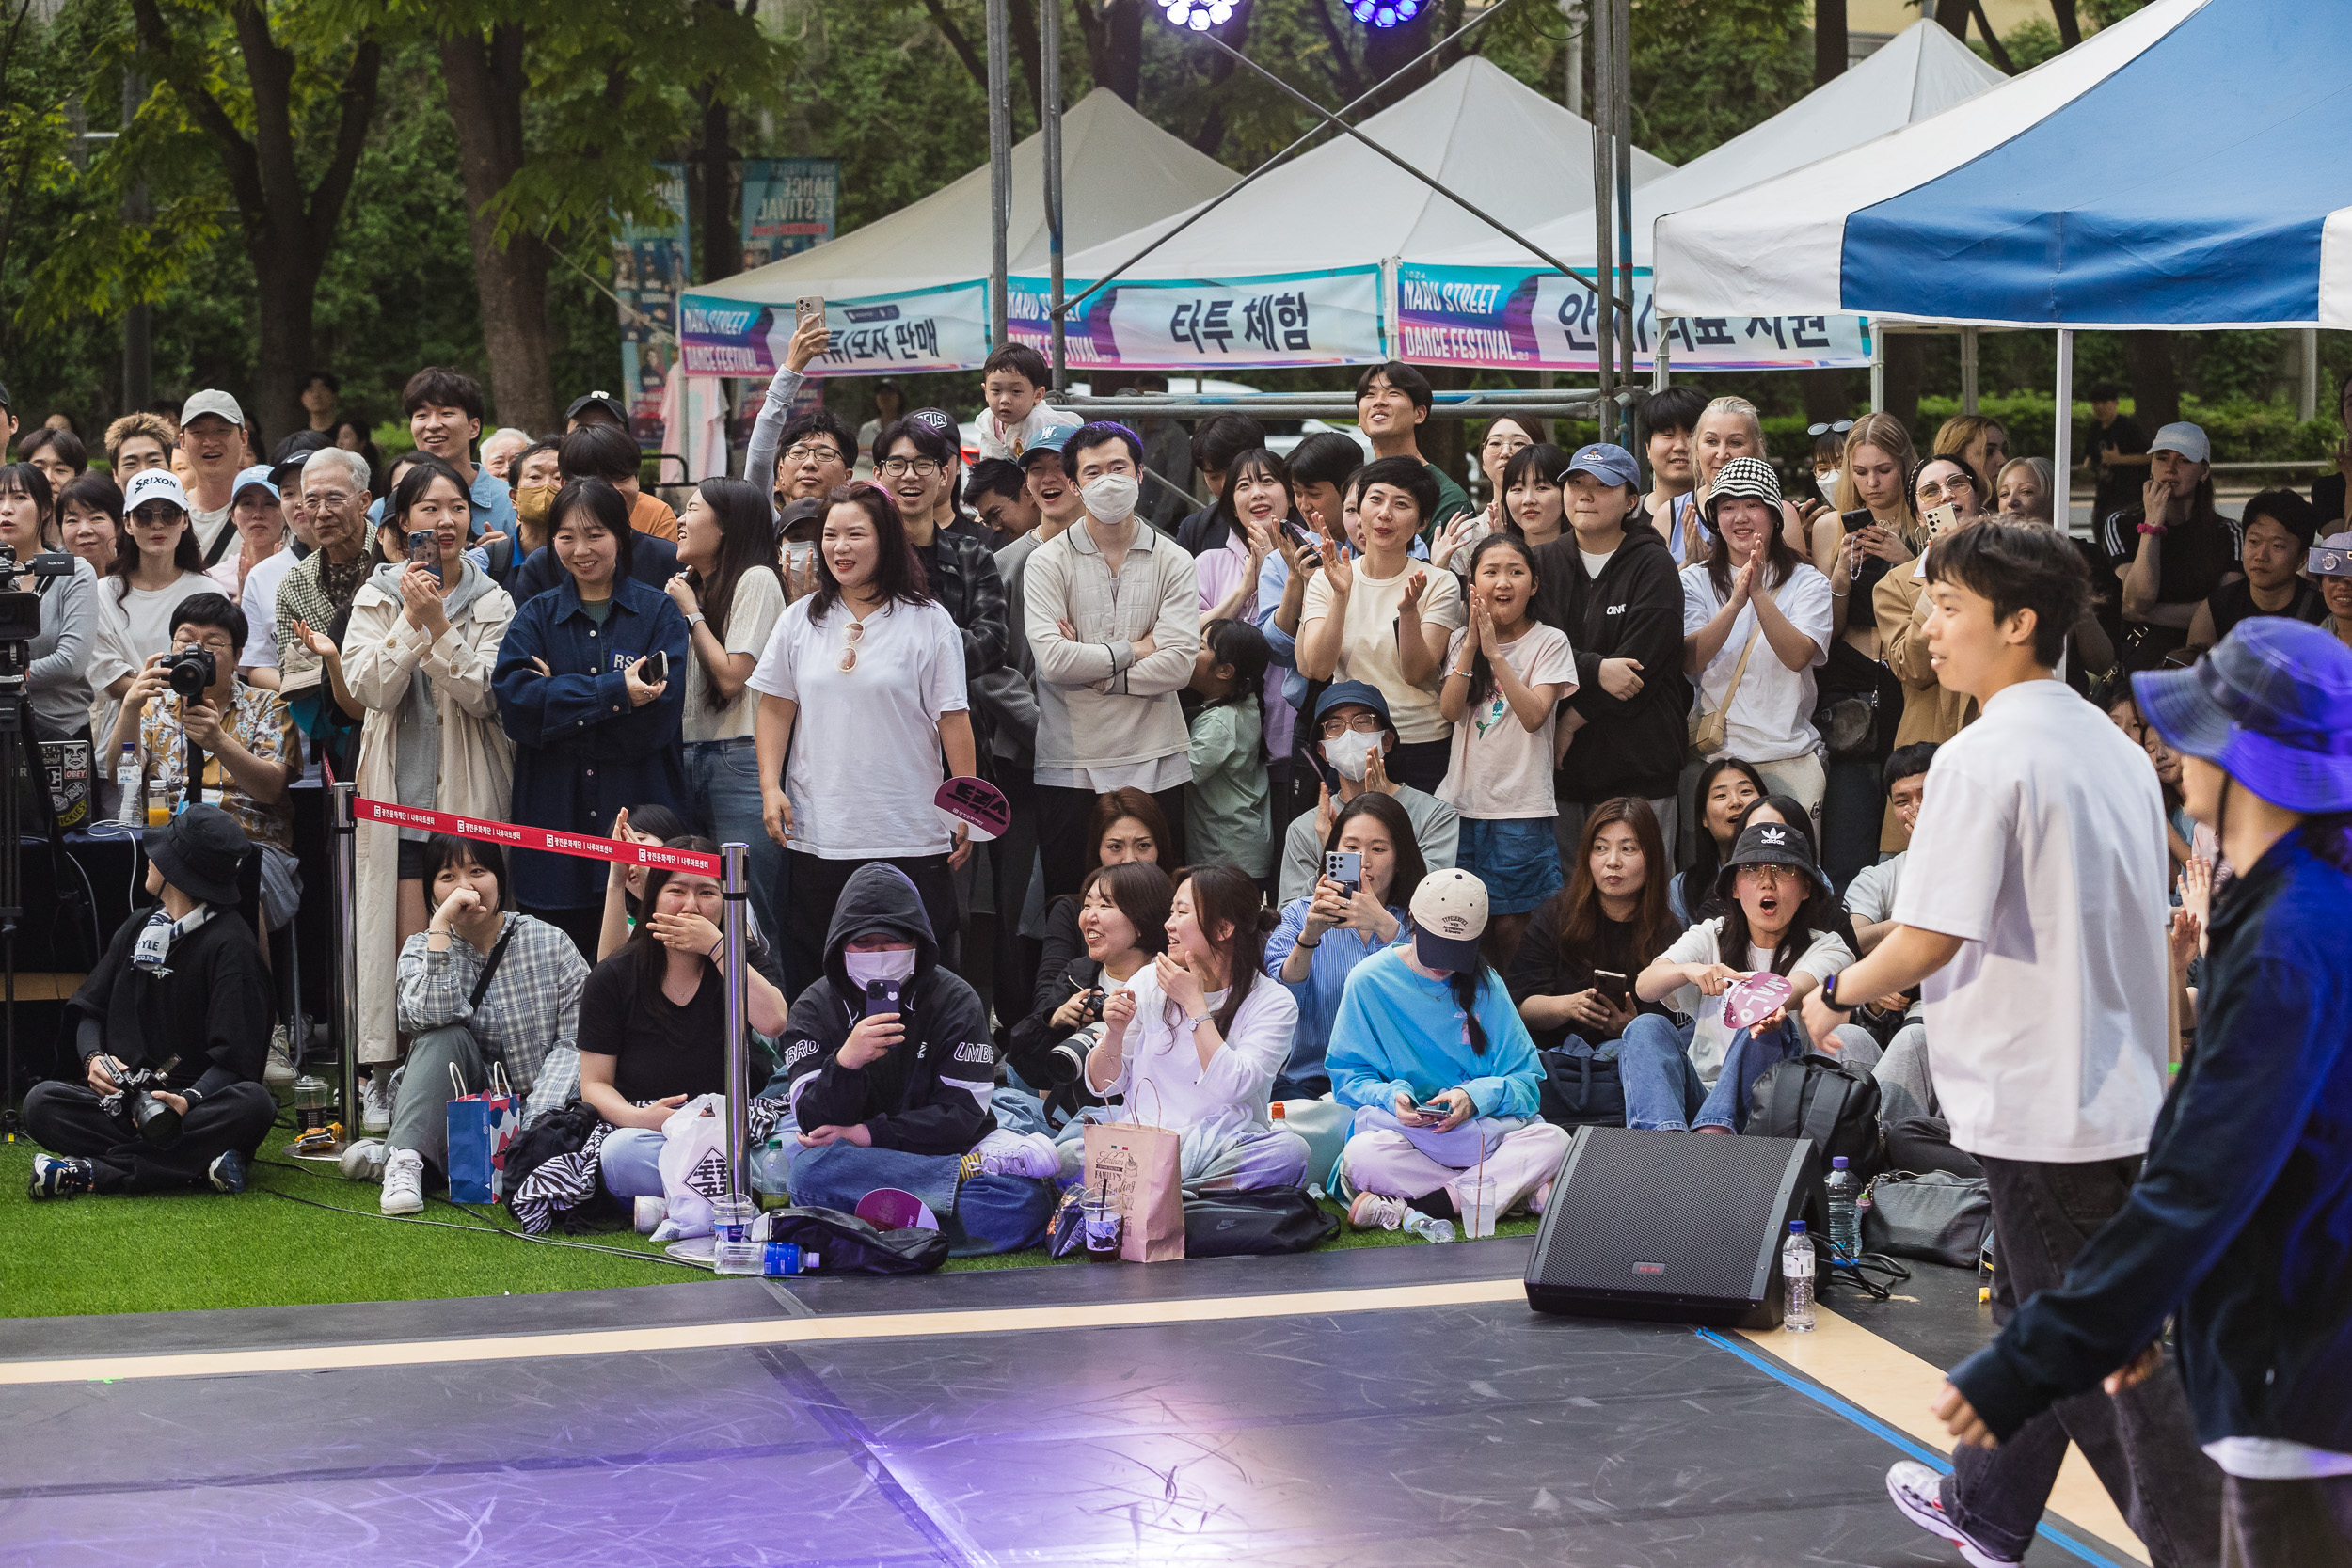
point(190, 672)
point(156, 1122)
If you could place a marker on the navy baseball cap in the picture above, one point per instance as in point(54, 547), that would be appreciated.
point(2271, 707)
point(1353, 694)
point(1604, 461)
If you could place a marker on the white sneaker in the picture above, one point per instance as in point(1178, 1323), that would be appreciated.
point(650, 1213)
point(279, 1071)
point(404, 1182)
point(1918, 1491)
point(1032, 1154)
point(363, 1160)
point(376, 1103)
point(1373, 1211)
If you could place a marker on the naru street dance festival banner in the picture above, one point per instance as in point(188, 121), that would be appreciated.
point(1505, 318)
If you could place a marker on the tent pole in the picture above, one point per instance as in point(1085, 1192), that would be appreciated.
point(1049, 78)
point(2062, 436)
point(1658, 369)
point(1621, 41)
point(999, 167)
point(1571, 11)
point(1967, 370)
point(1604, 167)
point(2307, 391)
point(1878, 367)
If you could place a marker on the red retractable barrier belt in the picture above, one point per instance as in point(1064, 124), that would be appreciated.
point(516, 835)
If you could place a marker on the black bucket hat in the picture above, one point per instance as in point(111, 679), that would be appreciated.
point(1770, 843)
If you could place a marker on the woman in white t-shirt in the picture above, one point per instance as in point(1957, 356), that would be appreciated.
point(731, 597)
point(156, 565)
point(1383, 620)
point(1505, 675)
point(1756, 624)
point(1698, 1075)
point(868, 669)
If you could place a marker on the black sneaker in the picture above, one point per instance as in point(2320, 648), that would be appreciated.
point(61, 1175)
point(227, 1173)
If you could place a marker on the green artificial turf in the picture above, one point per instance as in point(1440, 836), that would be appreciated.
point(163, 1252)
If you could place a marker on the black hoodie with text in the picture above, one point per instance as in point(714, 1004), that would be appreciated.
point(1633, 609)
point(930, 1094)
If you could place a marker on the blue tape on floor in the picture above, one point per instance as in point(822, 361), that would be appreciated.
point(1872, 1424)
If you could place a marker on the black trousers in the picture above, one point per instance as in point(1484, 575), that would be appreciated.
point(816, 886)
point(64, 1119)
point(1011, 861)
point(2287, 1524)
point(1062, 815)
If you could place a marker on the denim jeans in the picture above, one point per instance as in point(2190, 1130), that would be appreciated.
point(722, 787)
point(1663, 1091)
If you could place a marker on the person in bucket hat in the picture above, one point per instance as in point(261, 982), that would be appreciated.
point(2234, 1229)
point(2329, 563)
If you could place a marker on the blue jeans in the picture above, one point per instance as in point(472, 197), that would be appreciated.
point(723, 788)
point(1663, 1091)
point(631, 1162)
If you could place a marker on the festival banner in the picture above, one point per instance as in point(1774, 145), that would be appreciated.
point(931, 329)
point(1305, 318)
point(649, 272)
point(788, 206)
point(1513, 317)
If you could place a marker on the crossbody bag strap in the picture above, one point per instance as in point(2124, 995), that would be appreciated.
point(489, 968)
point(1741, 669)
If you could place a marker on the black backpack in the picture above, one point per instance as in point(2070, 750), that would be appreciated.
point(845, 1245)
point(1237, 1225)
point(1580, 1091)
point(1820, 1098)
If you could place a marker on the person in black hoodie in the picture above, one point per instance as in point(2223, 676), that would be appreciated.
point(883, 1093)
point(1614, 592)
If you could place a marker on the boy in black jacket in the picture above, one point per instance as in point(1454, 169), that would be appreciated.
point(1632, 701)
point(884, 1096)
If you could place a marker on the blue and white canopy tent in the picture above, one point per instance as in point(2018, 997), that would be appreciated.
point(2189, 166)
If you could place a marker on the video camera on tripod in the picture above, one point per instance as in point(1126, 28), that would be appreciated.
point(20, 607)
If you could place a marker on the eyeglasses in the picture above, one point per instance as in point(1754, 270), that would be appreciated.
point(1930, 491)
point(325, 498)
point(1836, 427)
point(810, 452)
point(1508, 442)
point(850, 636)
point(921, 468)
point(1364, 723)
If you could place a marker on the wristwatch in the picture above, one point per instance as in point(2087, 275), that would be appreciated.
point(696, 618)
point(1829, 997)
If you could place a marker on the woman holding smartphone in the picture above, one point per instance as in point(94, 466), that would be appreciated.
point(424, 633)
point(1950, 496)
point(1372, 865)
point(1573, 976)
point(1878, 527)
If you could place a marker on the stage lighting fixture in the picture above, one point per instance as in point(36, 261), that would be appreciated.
point(1199, 15)
point(1385, 13)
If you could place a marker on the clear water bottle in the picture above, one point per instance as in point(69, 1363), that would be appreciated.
point(1428, 1226)
point(1796, 1267)
point(783, 1259)
point(129, 807)
point(1845, 1223)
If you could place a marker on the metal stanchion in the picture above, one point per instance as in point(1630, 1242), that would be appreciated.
point(735, 884)
point(345, 850)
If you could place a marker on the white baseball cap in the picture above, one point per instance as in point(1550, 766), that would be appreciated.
point(153, 484)
point(2184, 439)
point(1449, 911)
point(213, 401)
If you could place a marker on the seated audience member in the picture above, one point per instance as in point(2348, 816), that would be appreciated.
point(1905, 1088)
point(1013, 381)
point(244, 733)
point(1194, 1042)
point(1756, 624)
point(2275, 534)
point(1123, 924)
point(2172, 549)
point(1573, 976)
point(482, 984)
point(2185, 838)
point(603, 451)
point(1779, 915)
point(1323, 936)
point(883, 1098)
point(591, 733)
point(653, 1023)
point(1383, 619)
point(418, 657)
point(1354, 738)
point(1225, 802)
point(256, 510)
point(1726, 788)
point(1444, 1080)
point(183, 996)
point(56, 681)
point(2329, 564)
point(1781, 809)
point(1126, 825)
point(861, 691)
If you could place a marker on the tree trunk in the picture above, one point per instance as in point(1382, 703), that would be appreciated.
point(286, 293)
point(1115, 46)
point(722, 251)
point(485, 80)
point(1953, 14)
point(1826, 401)
point(1211, 137)
point(2155, 384)
point(1388, 50)
point(1830, 47)
point(2070, 27)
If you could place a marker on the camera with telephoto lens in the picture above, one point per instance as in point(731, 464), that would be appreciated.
point(190, 672)
point(1068, 1060)
point(157, 1122)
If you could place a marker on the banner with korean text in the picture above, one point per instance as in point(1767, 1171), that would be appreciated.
point(1508, 318)
point(1311, 318)
point(931, 329)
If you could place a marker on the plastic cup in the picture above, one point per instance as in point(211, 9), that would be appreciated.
point(1478, 1203)
point(1101, 1221)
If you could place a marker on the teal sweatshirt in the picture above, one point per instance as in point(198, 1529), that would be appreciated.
point(1398, 1033)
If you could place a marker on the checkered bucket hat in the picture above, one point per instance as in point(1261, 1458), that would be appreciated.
point(1751, 477)
point(2271, 707)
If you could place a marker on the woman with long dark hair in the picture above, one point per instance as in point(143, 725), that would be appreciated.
point(1573, 976)
point(1322, 937)
point(595, 720)
point(1125, 825)
point(1444, 1077)
point(1256, 503)
point(1778, 915)
point(156, 565)
point(1123, 924)
point(869, 672)
point(1726, 787)
point(1194, 1042)
point(731, 597)
point(56, 682)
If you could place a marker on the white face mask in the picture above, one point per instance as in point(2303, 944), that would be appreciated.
point(1112, 498)
point(865, 968)
point(1351, 753)
point(1827, 484)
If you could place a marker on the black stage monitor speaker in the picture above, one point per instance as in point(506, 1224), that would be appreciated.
point(1671, 1227)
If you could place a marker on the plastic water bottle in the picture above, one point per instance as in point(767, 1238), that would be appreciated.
point(783, 1259)
point(1844, 1221)
point(127, 784)
point(1428, 1226)
point(1796, 1267)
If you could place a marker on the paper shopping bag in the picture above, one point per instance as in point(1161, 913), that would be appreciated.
point(480, 1127)
point(1140, 1168)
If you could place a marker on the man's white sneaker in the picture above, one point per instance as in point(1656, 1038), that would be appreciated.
point(375, 1103)
point(1374, 1211)
point(1918, 1491)
point(279, 1073)
point(363, 1160)
point(1033, 1154)
point(404, 1182)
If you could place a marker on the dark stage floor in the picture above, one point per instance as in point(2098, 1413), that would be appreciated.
point(1358, 1429)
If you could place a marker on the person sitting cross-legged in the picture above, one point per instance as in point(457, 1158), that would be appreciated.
point(181, 994)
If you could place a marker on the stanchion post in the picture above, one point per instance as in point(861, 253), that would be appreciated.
point(735, 883)
point(347, 956)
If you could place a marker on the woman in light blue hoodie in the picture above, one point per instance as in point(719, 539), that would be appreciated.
point(1323, 936)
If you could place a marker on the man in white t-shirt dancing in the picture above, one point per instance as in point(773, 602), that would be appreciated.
point(2039, 939)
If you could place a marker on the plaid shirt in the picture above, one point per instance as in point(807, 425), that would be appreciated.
point(970, 589)
point(530, 1017)
point(314, 592)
